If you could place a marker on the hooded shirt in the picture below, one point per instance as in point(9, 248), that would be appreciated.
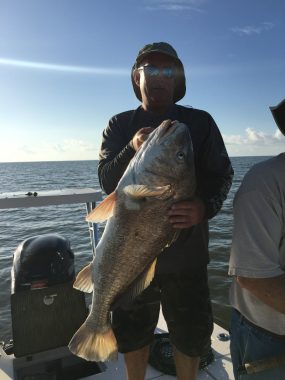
point(213, 173)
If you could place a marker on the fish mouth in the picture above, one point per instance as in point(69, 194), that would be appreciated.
point(166, 127)
point(172, 126)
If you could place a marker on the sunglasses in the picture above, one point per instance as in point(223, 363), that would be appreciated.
point(152, 71)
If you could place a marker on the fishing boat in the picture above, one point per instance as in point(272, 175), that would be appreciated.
point(44, 319)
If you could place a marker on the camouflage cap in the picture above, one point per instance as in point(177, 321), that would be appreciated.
point(278, 113)
point(167, 49)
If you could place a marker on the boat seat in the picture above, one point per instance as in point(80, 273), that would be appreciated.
point(47, 318)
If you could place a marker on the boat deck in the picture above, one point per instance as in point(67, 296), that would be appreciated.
point(219, 369)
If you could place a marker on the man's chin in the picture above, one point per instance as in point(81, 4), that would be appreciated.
point(160, 97)
point(159, 105)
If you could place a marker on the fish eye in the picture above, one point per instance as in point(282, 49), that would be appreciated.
point(180, 155)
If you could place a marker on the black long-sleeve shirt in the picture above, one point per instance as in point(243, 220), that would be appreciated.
point(213, 172)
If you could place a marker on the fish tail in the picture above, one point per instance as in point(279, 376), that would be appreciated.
point(92, 345)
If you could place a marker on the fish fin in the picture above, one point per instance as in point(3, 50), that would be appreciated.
point(104, 210)
point(94, 345)
point(149, 275)
point(136, 287)
point(84, 279)
point(174, 238)
point(143, 191)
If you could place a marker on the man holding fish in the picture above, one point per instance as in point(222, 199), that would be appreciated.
point(164, 183)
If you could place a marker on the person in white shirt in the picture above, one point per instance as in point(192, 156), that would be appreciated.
point(257, 264)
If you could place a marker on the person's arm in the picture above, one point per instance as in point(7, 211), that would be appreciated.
point(214, 170)
point(116, 152)
point(115, 155)
point(269, 290)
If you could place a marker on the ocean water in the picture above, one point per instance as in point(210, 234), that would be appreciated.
point(69, 221)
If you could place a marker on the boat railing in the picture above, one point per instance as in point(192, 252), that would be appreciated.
point(89, 196)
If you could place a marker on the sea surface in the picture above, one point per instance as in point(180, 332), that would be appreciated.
point(69, 221)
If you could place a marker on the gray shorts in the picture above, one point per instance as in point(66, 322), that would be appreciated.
point(186, 307)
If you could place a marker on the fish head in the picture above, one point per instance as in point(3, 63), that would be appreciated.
point(167, 158)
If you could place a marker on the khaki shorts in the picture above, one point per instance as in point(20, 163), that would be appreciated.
point(186, 307)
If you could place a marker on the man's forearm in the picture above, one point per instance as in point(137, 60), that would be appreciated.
point(110, 172)
point(271, 291)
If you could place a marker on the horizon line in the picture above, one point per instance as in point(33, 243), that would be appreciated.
point(30, 162)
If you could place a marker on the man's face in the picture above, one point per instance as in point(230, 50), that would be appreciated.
point(156, 90)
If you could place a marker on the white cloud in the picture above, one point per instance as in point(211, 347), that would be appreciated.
point(70, 149)
point(233, 139)
point(278, 135)
point(254, 142)
point(175, 5)
point(62, 68)
point(26, 149)
point(250, 29)
point(255, 137)
point(72, 145)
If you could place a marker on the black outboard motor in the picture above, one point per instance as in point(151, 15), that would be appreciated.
point(42, 261)
point(46, 309)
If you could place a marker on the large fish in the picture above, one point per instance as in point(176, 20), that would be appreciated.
point(138, 229)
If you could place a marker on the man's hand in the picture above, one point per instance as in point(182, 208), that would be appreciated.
point(140, 137)
point(186, 214)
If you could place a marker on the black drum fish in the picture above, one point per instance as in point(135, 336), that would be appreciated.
point(138, 229)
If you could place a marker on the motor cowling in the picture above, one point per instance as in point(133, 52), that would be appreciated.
point(42, 261)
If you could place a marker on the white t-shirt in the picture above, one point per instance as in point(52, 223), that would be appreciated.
point(258, 246)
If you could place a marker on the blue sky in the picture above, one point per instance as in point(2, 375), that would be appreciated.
point(65, 70)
